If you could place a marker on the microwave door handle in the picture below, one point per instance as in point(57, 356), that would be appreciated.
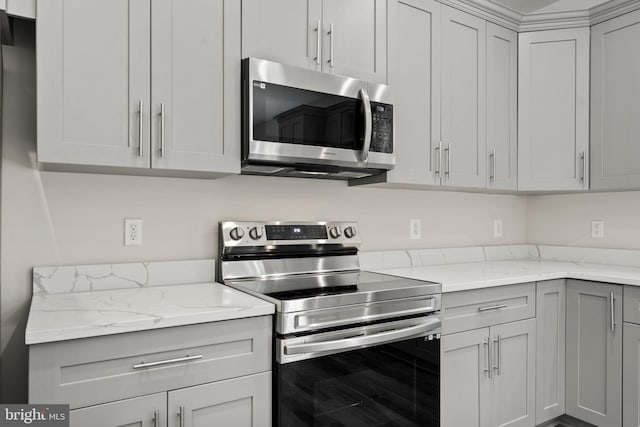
point(368, 125)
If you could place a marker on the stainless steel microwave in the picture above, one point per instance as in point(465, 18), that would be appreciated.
point(304, 123)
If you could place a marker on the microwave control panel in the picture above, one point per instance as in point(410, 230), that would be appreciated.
point(382, 132)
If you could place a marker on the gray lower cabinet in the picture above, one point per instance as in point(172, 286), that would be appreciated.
point(490, 372)
point(631, 381)
point(551, 297)
point(239, 402)
point(594, 353)
point(147, 411)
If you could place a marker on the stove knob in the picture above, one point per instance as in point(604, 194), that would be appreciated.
point(350, 232)
point(335, 232)
point(236, 233)
point(255, 233)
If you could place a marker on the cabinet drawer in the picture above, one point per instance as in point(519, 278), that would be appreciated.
point(466, 310)
point(631, 308)
point(103, 369)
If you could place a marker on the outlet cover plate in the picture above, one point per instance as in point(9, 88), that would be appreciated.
point(132, 231)
point(597, 229)
point(415, 229)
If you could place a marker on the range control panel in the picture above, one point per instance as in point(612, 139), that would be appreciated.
point(250, 233)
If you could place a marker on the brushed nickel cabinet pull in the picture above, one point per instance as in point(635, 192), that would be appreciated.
point(140, 129)
point(318, 42)
point(166, 362)
point(162, 130)
point(331, 37)
point(493, 307)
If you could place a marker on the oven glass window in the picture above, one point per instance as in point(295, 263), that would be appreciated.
point(304, 117)
point(395, 384)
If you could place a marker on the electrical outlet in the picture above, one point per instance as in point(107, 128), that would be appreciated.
point(497, 228)
point(597, 229)
point(415, 229)
point(132, 231)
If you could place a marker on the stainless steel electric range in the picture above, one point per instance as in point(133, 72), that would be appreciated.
point(352, 348)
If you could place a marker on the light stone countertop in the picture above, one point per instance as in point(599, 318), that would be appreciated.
point(476, 275)
point(72, 315)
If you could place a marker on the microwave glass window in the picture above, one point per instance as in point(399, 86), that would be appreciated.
point(297, 116)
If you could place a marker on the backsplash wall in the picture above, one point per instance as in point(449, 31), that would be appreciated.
point(67, 219)
point(565, 219)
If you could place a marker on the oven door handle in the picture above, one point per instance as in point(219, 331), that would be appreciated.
point(363, 341)
point(368, 125)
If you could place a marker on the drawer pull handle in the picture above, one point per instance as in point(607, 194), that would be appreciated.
point(166, 362)
point(493, 307)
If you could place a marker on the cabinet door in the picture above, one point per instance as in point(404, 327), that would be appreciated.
point(463, 99)
point(502, 108)
point(551, 307)
point(414, 74)
point(594, 353)
point(93, 73)
point(239, 402)
point(514, 370)
point(631, 384)
point(147, 411)
point(196, 85)
point(553, 112)
point(615, 103)
point(285, 31)
point(357, 46)
point(465, 385)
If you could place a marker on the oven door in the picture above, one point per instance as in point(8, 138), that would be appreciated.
point(384, 375)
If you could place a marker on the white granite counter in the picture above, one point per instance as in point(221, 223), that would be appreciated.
point(466, 276)
point(58, 315)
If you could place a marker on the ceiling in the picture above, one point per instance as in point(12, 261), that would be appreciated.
point(526, 7)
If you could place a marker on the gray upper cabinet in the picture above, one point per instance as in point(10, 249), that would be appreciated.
point(514, 369)
point(98, 106)
point(615, 103)
point(286, 31)
point(551, 307)
point(195, 112)
point(355, 38)
point(594, 353)
point(414, 74)
point(147, 411)
point(502, 108)
point(239, 402)
point(631, 377)
point(463, 99)
point(553, 113)
point(465, 385)
point(93, 82)
point(348, 38)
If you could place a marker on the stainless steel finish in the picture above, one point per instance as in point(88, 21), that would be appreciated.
point(321, 344)
point(274, 268)
point(256, 233)
point(335, 232)
point(156, 418)
point(349, 232)
point(286, 154)
point(329, 317)
point(162, 130)
point(140, 128)
point(318, 42)
point(488, 369)
point(181, 415)
point(583, 157)
point(612, 300)
point(331, 37)
point(236, 233)
point(447, 150)
point(493, 307)
point(368, 125)
point(492, 159)
point(166, 362)
point(230, 244)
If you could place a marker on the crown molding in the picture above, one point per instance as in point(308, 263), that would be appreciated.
point(509, 18)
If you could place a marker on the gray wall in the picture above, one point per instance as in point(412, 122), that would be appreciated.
point(59, 218)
